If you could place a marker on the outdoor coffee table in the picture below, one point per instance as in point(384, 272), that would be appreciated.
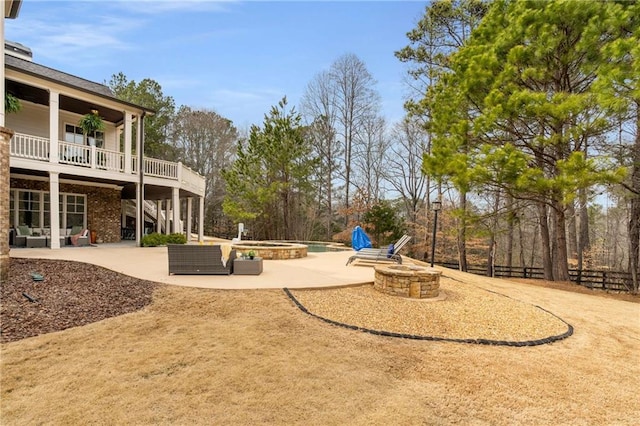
point(63, 241)
point(247, 266)
point(36, 241)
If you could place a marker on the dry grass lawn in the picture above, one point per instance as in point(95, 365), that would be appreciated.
point(251, 357)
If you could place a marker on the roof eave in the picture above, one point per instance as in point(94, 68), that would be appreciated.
point(81, 89)
point(12, 8)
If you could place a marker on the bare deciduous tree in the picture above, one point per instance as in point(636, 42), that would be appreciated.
point(369, 159)
point(356, 100)
point(319, 109)
point(206, 142)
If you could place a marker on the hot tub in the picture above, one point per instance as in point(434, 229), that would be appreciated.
point(272, 250)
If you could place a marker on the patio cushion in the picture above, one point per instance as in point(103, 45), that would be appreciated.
point(390, 251)
point(24, 230)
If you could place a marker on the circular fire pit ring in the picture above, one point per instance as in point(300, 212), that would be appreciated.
point(412, 281)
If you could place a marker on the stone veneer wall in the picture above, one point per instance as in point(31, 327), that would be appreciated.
point(292, 251)
point(103, 206)
point(407, 281)
point(5, 136)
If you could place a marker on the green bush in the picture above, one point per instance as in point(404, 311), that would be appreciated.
point(176, 239)
point(154, 239)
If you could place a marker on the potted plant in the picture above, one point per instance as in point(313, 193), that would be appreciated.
point(11, 103)
point(251, 254)
point(91, 123)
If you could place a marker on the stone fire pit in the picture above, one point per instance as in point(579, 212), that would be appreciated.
point(417, 282)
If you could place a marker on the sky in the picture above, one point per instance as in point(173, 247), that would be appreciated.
point(237, 58)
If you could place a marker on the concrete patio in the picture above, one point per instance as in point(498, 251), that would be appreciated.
point(151, 263)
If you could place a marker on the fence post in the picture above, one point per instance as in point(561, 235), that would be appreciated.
point(604, 280)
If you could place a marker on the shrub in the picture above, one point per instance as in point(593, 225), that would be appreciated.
point(176, 239)
point(153, 240)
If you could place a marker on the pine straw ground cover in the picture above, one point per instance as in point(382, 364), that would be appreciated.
point(198, 356)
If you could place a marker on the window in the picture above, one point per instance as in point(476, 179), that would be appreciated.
point(75, 210)
point(29, 209)
point(33, 209)
point(47, 210)
point(74, 134)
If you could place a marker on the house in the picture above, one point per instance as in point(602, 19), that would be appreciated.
point(98, 179)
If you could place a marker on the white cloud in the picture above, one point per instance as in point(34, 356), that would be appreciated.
point(73, 41)
point(151, 7)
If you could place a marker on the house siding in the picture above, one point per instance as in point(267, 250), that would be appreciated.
point(103, 206)
point(33, 120)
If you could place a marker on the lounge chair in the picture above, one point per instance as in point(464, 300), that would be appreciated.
point(190, 259)
point(384, 254)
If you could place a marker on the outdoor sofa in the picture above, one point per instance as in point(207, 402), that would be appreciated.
point(191, 259)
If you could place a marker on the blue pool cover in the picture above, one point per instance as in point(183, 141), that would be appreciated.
point(359, 239)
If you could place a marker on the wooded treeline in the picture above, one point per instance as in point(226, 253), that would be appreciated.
point(522, 117)
point(532, 110)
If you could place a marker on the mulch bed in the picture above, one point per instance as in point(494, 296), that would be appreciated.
point(71, 294)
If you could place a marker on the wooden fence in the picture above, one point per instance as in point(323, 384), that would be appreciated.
point(605, 280)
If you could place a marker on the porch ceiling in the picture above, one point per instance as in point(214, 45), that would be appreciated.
point(78, 106)
point(153, 192)
point(68, 178)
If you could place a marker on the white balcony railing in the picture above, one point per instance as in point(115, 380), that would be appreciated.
point(71, 153)
point(160, 168)
point(155, 167)
point(38, 148)
point(31, 147)
point(191, 180)
point(109, 160)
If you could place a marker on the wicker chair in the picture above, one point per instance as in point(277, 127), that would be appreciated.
point(189, 259)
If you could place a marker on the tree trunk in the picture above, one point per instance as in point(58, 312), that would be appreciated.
point(547, 265)
point(634, 239)
point(561, 265)
point(347, 171)
point(572, 231)
point(329, 210)
point(523, 263)
point(634, 214)
point(583, 228)
point(491, 259)
point(511, 215)
point(462, 233)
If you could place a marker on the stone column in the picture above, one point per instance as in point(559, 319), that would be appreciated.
point(5, 136)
